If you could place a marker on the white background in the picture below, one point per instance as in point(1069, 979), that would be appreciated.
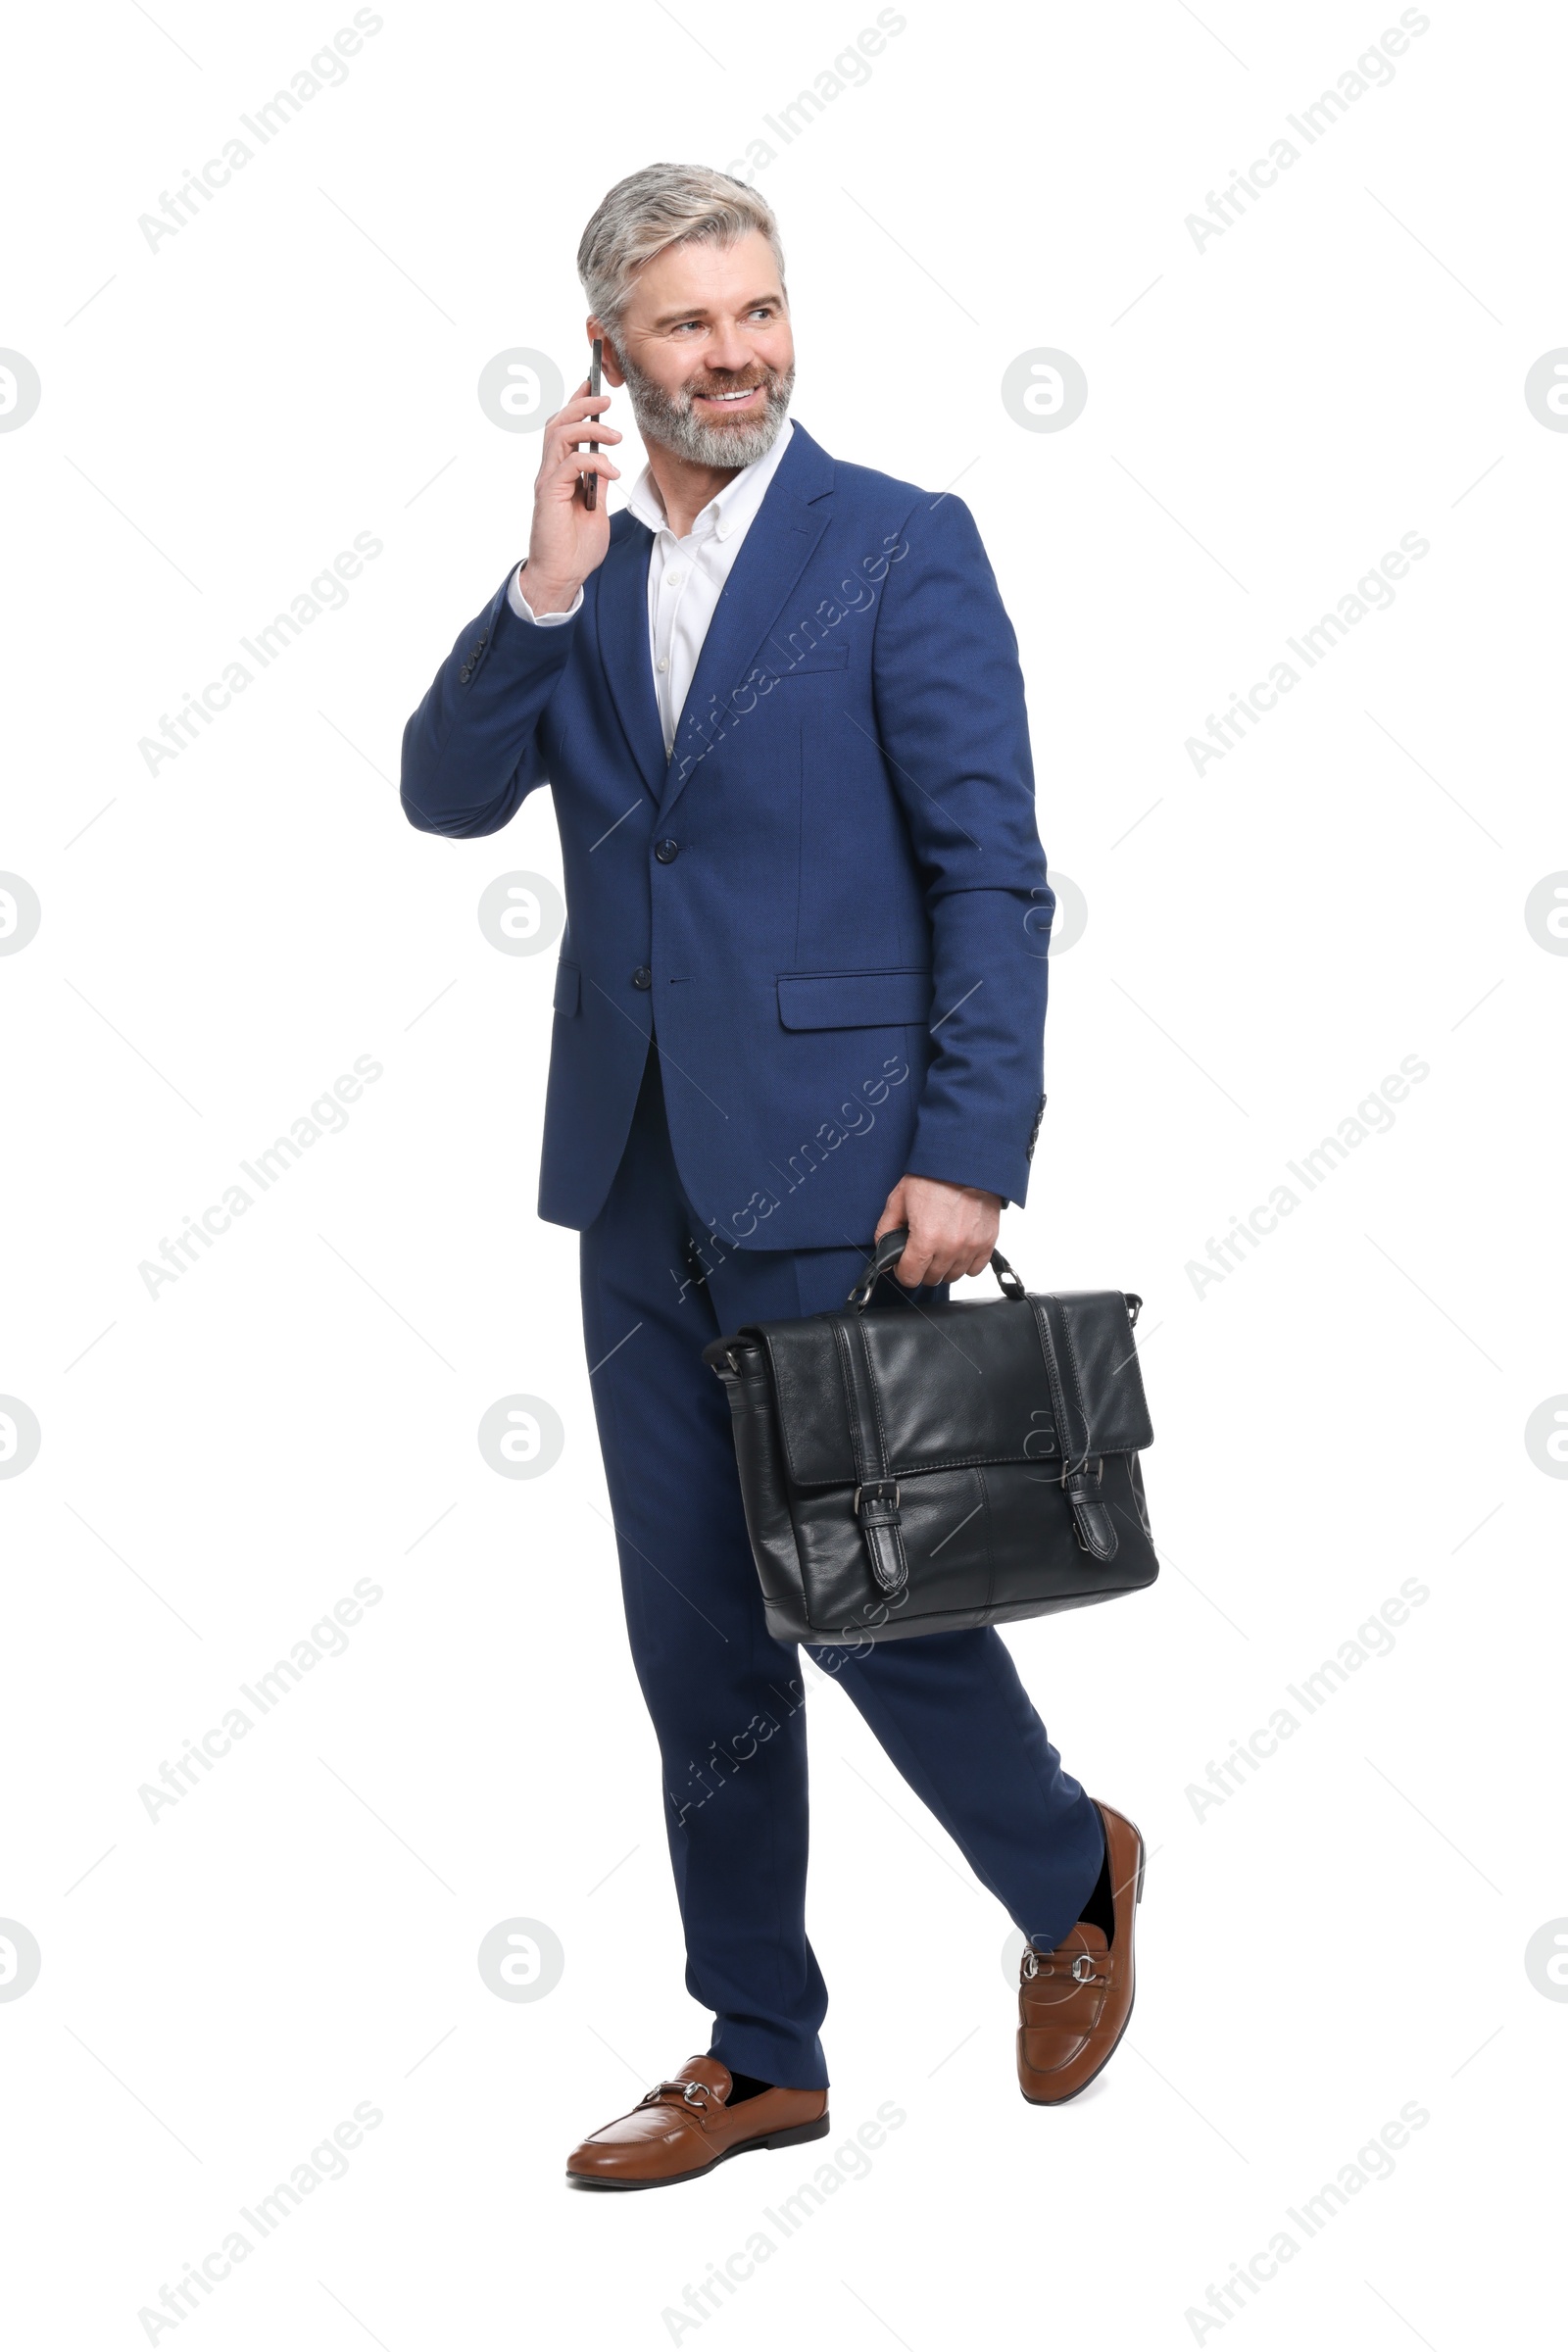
point(1345, 1933)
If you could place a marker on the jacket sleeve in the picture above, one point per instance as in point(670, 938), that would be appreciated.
point(954, 735)
point(470, 752)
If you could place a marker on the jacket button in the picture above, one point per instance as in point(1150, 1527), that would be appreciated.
point(642, 977)
point(667, 852)
point(463, 673)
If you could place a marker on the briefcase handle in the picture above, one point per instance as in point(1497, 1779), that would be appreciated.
point(889, 1248)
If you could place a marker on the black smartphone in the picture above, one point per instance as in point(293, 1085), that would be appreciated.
point(590, 481)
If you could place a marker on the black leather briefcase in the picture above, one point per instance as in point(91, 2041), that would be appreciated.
point(919, 1469)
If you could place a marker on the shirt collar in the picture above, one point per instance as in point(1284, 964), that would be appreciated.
point(730, 509)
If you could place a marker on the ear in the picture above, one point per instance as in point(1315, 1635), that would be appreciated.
point(612, 371)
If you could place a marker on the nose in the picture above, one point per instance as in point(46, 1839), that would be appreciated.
point(728, 347)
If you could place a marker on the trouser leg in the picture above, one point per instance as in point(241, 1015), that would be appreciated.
point(723, 1696)
point(953, 1716)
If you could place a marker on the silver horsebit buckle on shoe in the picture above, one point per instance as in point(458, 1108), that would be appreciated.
point(1083, 1967)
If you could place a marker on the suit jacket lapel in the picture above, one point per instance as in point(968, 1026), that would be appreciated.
point(623, 647)
point(778, 545)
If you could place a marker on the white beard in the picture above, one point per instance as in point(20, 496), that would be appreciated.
point(700, 440)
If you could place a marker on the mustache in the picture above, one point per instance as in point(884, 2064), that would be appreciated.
point(733, 383)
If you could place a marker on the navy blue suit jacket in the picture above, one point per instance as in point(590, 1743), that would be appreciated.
point(829, 903)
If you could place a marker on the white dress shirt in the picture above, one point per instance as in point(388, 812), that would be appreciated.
point(685, 576)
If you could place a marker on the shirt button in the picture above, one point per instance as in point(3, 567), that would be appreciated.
point(642, 977)
point(663, 663)
point(667, 852)
point(672, 576)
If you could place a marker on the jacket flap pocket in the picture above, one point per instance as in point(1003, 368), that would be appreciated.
point(568, 988)
point(853, 1000)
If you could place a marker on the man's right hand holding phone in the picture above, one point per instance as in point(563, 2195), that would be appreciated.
point(567, 540)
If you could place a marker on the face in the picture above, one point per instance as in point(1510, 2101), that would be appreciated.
point(705, 348)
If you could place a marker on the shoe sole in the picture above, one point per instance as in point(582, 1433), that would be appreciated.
point(793, 2138)
point(1138, 1897)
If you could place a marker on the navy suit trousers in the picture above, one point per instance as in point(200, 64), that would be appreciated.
point(727, 1699)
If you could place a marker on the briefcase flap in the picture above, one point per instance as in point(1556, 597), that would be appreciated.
point(964, 1382)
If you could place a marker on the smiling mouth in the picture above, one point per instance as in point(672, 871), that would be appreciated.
point(729, 400)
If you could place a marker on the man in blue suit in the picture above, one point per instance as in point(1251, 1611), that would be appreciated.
point(799, 1002)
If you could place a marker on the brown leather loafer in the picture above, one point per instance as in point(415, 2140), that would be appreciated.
point(685, 2125)
point(1074, 2003)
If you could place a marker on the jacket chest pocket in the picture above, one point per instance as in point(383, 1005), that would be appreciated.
point(829, 660)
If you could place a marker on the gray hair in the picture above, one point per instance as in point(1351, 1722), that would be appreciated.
point(664, 205)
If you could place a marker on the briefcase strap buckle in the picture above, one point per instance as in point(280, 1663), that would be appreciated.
point(1076, 1475)
point(878, 1500)
point(1092, 1524)
point(877, 1507)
